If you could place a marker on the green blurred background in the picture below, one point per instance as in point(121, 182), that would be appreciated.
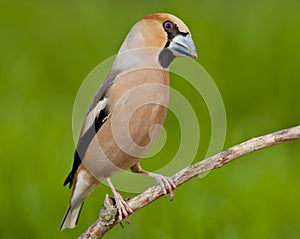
point(251, 50)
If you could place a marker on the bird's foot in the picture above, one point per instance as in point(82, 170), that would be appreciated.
point(166, 183)
point(123, 208)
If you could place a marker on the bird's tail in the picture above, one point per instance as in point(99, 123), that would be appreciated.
point(83, 186)
point(71, 216)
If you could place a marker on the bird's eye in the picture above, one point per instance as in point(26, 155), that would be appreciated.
point(168, 26)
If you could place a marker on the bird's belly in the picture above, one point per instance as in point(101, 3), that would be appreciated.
point(119, 145)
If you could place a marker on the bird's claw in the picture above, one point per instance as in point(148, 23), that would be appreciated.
point(123, 208)
point(167, 185)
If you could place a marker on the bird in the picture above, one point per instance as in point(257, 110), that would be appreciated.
point(127, 112)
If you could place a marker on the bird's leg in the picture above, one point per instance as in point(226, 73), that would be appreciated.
point(164, 182)
point(122, 206)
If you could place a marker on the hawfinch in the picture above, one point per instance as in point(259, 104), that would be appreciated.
point(128, 111)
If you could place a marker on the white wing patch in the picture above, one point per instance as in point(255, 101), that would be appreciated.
point(90, 118)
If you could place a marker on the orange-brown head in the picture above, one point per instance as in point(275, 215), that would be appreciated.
point(164, 32)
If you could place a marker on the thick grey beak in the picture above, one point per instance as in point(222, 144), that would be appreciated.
point(183, 46)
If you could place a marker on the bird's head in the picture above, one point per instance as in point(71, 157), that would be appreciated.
point(165, 34)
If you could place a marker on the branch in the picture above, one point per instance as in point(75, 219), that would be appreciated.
point(104, 224)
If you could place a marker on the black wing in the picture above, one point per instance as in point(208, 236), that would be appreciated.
point(83, 144)
point(89, 134)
